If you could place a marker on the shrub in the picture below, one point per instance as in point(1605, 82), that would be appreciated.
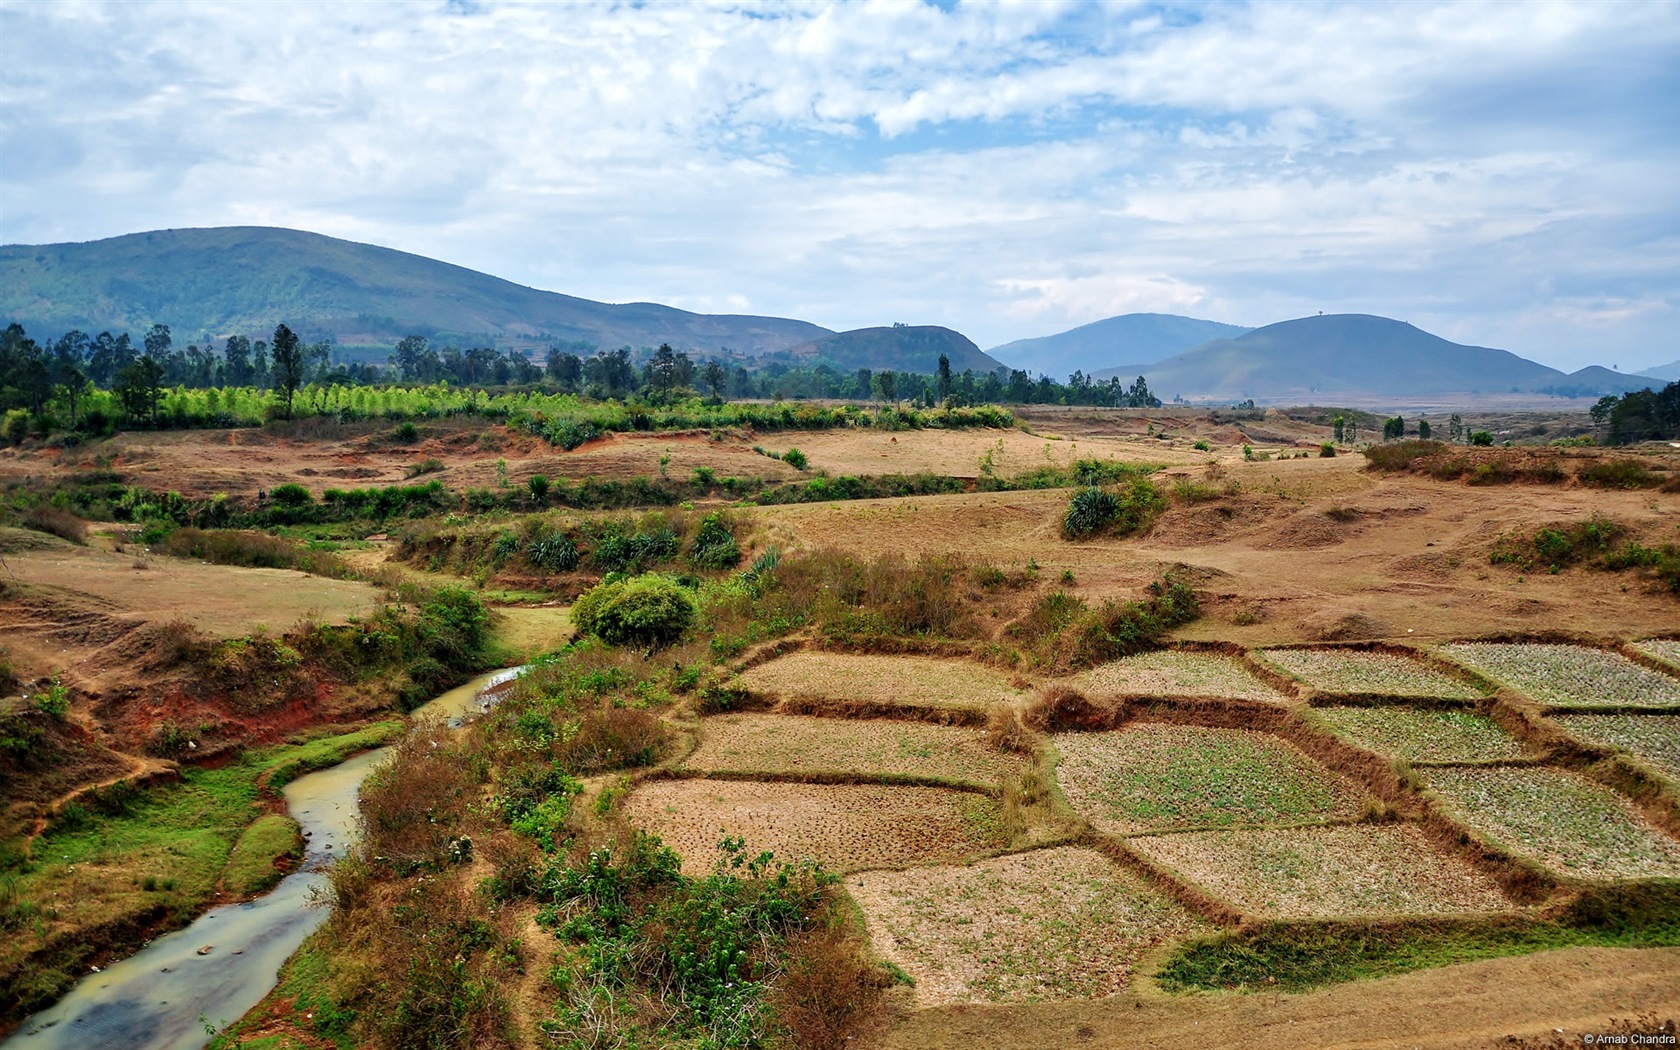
point(795, 459)
point(292, 495)
point(1481, 437)
point(1399, 455)
point(554, 552)
point(715, 546)
point(406, 434)
point(538, 484)
point(1619, 474)
point(63, 524)
point(1327, 451)
point(1201, 446)
point(1090, 509)
point(647, 610)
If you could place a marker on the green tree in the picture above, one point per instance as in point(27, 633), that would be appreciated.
point(714, 376)
point(944, 381)
point(886, 385)
point(288, 368)
point(1424, 429)
point(158, 341)
point(139, 387)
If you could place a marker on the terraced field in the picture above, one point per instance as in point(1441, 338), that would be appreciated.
point(1310, 873)
point(1352, 671)
point(1665, 649)
point(1177, 673)
point(1151, 777)
point(1426, 735)
point(1571, 825)
point(796, 745)
point(846, 827)
point(910, 680)
point(1046, 925)
point(1568, 675)
point(1655, 738)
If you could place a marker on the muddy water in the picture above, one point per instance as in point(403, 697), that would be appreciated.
point(154, 999)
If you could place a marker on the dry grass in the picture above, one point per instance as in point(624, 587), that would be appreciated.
point(1564, 821)
point(797, 745)
point(1654, 738)
point(1568, 675)
point(845, 827)
point(1176, 673)
point(1046, 925)
point(1150, 777)
point(1431, 735)
point(1371, 673)
point(912, 680)
point(1309, 873)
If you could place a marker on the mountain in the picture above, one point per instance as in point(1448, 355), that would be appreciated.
point(905, 348)
point(246, 279)
point(1145, 338)
point(1596, 381)
point(1352, 356)
point(1669, 373)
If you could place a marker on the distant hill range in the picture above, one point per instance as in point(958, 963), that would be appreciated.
point(1357, 356)
point(1669, 373)
point(243, 280)
point(905, 348)
point(1142, 338)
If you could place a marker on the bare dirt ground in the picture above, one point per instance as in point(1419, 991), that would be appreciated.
point(908, 680)
point(1400, 557)
point(1471, 1006)
point(794, 745)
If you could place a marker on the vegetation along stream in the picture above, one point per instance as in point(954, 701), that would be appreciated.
point(174, 994)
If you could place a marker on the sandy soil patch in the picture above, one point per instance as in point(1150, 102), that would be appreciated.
point(1352, 671)
point(915, 680)
point(1306, 873)
point(1448, 735)
point(1149, 777)
point(794, 744)
point(1568, 675)
point(1655, 738)
point(1030, 927)
point(845, 827)
point(1175, 673)
point(1570, 824)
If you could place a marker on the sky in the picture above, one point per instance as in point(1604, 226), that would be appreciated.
point(1502, 174)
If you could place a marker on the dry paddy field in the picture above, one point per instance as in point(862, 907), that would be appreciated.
point(1654, 738)
point(910, 681)
point(1566, 822)
point(1048, 925)
point(794, 745)
point(1150, 777)
point(846, 827)
point(1354, 672)
point(1428, 735)
point(1177, 673)
point(1568, 675)
point(1352, 870)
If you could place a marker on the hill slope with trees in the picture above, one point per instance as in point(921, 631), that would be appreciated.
point(243, 280)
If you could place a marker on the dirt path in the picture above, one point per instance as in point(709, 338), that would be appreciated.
point(1577, 990)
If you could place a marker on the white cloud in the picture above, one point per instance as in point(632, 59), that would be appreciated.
point(1002, 168)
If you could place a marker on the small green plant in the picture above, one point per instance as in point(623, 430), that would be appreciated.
point(1327, 450)
point(1481, 437)
point(54, 700)
point(1090, 509)
point(704, 477)
point(538, 485)
point(795, 459)
point(1248, 452)
point(1201, 446)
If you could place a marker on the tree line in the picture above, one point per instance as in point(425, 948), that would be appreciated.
point(47, 385)
point(1642, 415)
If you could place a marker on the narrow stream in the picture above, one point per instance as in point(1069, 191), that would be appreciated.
point(153, 999)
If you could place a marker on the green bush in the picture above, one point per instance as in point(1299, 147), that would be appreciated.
point(1090, 509)
point(714, 545)
point(1327, 451)
point(553, 552)
point(291, 494)
point(1481, 437)
point(646, 610)
point(795, 459)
